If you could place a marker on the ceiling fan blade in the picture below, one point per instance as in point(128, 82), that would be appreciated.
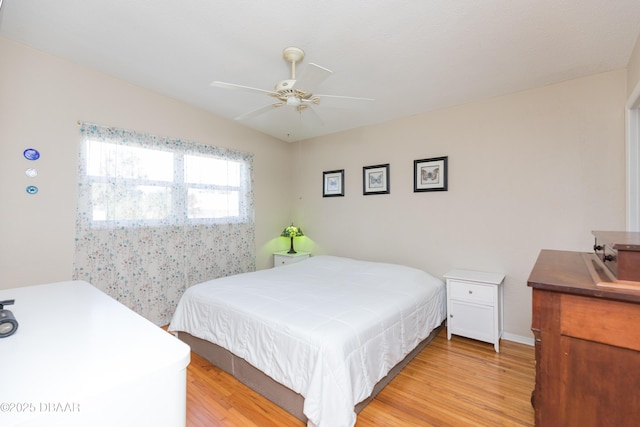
point(254, 113)
point(352, 98)
point(311, 77)
point(233, 86)
point(312, 116)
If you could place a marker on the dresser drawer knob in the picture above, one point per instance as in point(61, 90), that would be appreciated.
point(470, 291)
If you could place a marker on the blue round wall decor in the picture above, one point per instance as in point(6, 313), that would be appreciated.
point(31, 154)
point(32, 189)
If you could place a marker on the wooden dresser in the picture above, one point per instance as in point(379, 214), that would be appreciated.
point(587, 344)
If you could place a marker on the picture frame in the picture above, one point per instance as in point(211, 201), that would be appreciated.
point(333, 183)
point(375, 179)
point(430, 174)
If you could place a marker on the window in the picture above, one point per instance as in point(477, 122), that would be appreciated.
point(157, 215)
point(131, 184)
point(213, 187)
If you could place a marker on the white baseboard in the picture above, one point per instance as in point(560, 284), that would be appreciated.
point(517, 338)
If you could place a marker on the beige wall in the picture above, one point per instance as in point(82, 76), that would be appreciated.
point(532, 170)
point(633, 68)
point(41, 100)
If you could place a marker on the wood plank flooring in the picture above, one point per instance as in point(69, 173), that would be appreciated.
point(457, 383)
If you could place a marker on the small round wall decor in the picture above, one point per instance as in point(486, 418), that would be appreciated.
point(32, 189)
point(31, 173)
point(31, 154)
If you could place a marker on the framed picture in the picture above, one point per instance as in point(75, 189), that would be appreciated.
point(333, 183)
point(375, 179)
point(430, 174)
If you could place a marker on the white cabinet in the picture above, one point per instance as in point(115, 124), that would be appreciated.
point(283, 258)
point(80, 358)
point(474, 305)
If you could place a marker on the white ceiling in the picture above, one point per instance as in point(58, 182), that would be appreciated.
point(411, 56)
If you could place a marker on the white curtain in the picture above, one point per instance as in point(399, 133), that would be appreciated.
point(157, 215)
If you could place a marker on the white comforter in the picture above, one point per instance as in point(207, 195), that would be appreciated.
point(328, 328)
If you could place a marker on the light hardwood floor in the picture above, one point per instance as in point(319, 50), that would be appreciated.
point(460, 382)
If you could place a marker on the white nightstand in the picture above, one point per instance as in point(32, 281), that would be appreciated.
point(283, 258)
point(474, 305)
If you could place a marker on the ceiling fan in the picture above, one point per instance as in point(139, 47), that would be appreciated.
point(293, 92)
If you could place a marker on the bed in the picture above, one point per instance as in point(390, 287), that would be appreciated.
point(319, 337)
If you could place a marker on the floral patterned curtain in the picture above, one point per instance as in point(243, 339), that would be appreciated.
point(156, 215)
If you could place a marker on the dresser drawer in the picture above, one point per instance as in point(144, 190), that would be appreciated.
point(583, 317)
point(608, 256)
point(472, 292)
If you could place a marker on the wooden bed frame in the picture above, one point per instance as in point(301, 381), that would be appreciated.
point(279, 394)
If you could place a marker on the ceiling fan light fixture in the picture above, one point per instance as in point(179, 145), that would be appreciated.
point(293, 101)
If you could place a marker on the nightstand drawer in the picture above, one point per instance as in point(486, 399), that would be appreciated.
point(472, 292)
point(285, 258)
